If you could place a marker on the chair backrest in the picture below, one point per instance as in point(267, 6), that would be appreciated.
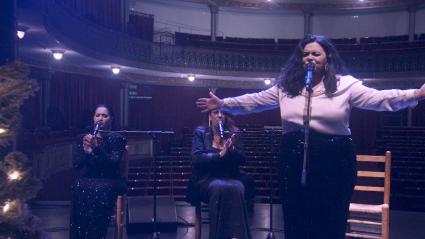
point(374, 175)
point(124, 163)
point(120, 202)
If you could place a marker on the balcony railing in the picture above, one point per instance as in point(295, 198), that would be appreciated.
point(96, 40)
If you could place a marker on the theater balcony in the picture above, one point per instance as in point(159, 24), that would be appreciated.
point(92, 47)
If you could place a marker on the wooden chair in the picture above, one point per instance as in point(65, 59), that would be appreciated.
point(120, 203)
point(373, 177)
point(201, 207)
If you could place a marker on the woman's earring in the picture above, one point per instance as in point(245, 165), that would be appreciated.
point(326, 67)
point(209, 123)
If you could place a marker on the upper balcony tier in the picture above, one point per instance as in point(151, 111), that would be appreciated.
point(225, 57)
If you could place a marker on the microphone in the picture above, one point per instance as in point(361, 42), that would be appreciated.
point(220, 128)
point(309, 75)
point(96, 128)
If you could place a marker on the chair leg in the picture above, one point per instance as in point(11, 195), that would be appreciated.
point(385, 222)
point(198, 222)
point(119, 216)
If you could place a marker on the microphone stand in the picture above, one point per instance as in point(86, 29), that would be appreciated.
point(307, 118)
point(271, 133)
point(271, 235)
point(155, 233)
point(154, 135)
point(308, 88)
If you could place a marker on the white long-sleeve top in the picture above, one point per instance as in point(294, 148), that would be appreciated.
point(329, 115)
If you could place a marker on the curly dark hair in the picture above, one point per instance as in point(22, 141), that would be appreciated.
point(291, 75)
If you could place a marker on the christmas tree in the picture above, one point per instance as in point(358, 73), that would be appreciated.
point(17, 185)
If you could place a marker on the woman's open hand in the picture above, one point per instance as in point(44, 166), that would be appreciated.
point(207, 104)
point(420, 93)
point(228, 145)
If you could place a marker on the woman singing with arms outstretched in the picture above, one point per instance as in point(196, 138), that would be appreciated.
point(317, 208)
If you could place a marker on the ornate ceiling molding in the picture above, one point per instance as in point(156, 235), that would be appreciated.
point(303, 6)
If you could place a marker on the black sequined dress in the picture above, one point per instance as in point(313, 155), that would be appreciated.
point(95, 193)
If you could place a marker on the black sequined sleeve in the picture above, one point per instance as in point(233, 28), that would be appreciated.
point(109, 152)
point(80, 158)
point(116, 144)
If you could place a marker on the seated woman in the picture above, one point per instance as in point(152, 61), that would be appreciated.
point(99, 155)
point(216, 178)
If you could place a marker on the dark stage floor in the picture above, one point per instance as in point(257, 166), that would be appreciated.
point(55, 220)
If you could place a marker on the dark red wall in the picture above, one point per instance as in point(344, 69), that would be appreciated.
point(74, 96)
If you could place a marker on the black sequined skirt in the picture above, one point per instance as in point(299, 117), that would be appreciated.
point(319, 208)
point(93, 201)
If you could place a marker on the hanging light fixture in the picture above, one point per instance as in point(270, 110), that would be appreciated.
point(115, 70)
point(21, 31)
point(58, 54)
point(191, 78)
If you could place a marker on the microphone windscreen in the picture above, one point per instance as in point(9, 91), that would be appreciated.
point(220, 128)
point(96, 128)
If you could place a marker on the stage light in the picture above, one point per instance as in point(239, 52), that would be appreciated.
point(3, 131)
point(115, 70)
point(267, 81)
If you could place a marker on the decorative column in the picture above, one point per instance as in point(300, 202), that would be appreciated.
point(7, 31)
point(307, 21)
point(125, 15)
point(214, 21)
point(409, 117)
point(412, 23)
point(124, 104)
point(45, 92)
